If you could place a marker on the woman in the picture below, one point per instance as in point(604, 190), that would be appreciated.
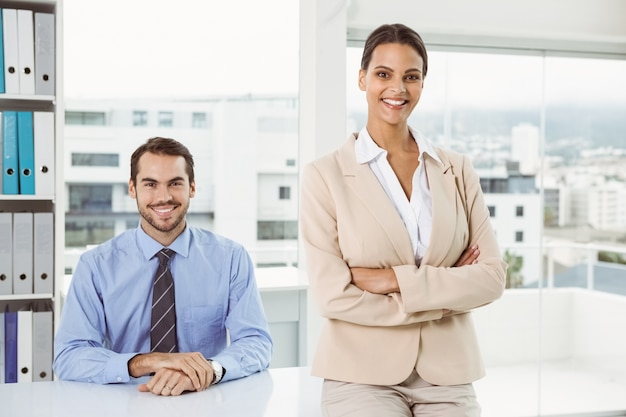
point(392, 229)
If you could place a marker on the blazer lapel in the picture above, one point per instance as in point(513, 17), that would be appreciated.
point(442, 182)
point(361, 179)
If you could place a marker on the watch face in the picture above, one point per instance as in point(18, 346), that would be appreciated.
point(218, 371)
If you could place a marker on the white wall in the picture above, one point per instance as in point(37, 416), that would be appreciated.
point(575, 324)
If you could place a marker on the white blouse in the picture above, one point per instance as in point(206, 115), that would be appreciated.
point(416, 212)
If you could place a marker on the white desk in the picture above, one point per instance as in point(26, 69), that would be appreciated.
point(284, 392)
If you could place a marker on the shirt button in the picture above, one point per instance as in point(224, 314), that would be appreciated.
point(119, 379)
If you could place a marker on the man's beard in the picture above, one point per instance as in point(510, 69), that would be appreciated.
point(165, 228)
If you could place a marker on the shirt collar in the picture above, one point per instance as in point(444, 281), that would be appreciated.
point(150, 247)
point(367, 150)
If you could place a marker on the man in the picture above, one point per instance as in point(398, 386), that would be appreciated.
point(107, 332)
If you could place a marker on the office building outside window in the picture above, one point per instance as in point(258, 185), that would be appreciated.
point(140, 118)
point(166, 119)
point(198, 120)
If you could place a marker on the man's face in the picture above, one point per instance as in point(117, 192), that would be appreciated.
point(162, 192)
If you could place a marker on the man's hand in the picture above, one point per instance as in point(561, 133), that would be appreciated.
point(191, 365)
point(167, 382)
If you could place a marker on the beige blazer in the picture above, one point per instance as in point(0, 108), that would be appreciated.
point(347, 220)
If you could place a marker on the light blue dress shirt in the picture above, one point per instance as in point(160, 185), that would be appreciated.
point(106, 315)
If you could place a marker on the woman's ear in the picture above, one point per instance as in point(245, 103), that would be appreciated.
point(362, 74)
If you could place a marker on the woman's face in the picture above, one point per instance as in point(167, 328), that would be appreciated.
point(393, 83)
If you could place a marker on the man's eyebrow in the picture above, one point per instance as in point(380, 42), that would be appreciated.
point(148, 179)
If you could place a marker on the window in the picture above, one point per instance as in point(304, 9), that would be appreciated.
point(96, 159)
point(277, 230)
point(88, 232)
point(90, 198)
point(140, 118)
point(166, 119)
point(290, 163)
point(492, 211)
point(519, 211)
point(284, 193)
point(199, 120)
point(519, 236)
point(278, 125)
point(84, 118)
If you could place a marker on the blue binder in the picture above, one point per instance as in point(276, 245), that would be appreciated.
point(10, 346)
point(10, 172)
point(26, 152)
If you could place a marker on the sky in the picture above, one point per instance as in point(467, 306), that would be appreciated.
point(148, 48)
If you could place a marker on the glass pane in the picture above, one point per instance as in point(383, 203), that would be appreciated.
point(223, 82)
point(584, 300)
point(557, 206)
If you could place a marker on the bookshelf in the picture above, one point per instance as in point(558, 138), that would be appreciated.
point(32, 220)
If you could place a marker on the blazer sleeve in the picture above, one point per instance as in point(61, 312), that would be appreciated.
point(328, 267)
point(432, 286)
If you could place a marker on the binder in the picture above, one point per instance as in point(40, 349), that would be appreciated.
point(1, 347)
point(44, 53)
point(10, 346)
point(26, 152)
point(43, 131)
point(24, 346)
point(42, 346)
point(1, 153)
point(1, 91)
point(22, 253)
point(6, 253)
point(43, 257)
point(11, 61)
point(10, 173)
point(26, 50)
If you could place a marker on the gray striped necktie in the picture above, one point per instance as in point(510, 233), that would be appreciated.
point(163, 324)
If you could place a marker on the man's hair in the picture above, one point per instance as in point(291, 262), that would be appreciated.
point(162, 146)
point(395, 33)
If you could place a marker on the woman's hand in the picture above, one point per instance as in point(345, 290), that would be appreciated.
point(468, 257)
point(384, 281)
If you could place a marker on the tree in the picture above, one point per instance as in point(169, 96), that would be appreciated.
point(514, 278)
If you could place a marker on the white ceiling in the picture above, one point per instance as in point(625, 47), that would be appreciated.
point(586, 26)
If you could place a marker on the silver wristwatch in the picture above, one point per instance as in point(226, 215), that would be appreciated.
point(218, 371)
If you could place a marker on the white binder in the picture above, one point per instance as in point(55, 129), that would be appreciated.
point(24, 346)
point(26, 50)
point(43, 136)
point(42, 346)
point(11, 60)
point(1, 153)
point(43, 253)
point(6, 253)
point(22, 253)
point(44, 53)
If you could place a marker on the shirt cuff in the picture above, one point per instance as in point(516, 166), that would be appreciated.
point(117, 368)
